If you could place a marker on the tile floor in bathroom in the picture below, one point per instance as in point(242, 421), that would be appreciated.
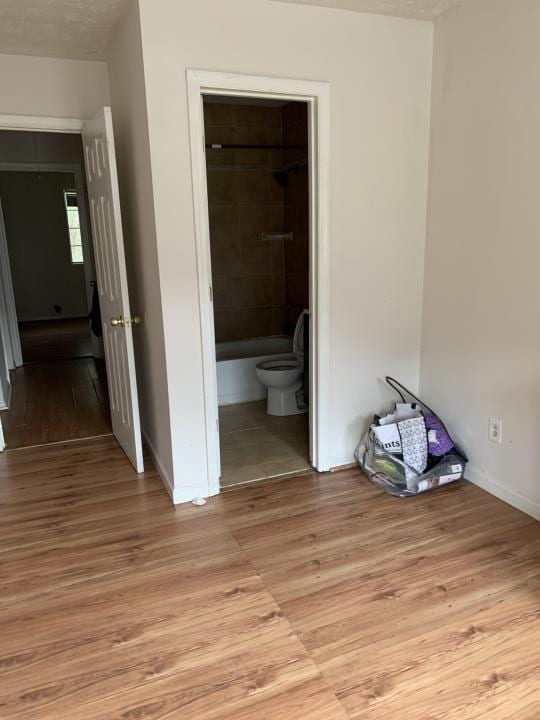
point(256, 446)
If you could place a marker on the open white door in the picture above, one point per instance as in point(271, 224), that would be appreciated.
point(111, 273)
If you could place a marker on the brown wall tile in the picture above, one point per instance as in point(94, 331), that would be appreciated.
point(253, 187)
point(257, 257)
point(224, 224)
point(253, 220)
point(226, 258)
point(228, 293)
point(257, 291)
point(222, 187)
point(256, 282)
point(257, 116)
point(296, 211)
point(218, 115)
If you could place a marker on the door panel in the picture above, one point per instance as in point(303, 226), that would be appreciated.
point(112, 285)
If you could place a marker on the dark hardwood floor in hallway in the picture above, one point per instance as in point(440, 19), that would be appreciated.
point(313, 598)
point(57, 401)
point(60, 393)
point(47, 340)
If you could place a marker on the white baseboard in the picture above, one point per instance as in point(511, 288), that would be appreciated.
point(520, 502)
point(481, 480)
point(178, 496)
point(344, 466)
point(163, 474)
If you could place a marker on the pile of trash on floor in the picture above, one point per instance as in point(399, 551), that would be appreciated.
point(409, 451)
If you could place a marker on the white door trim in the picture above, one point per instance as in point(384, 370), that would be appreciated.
point(40, 124)
point(88, 265)
point(317, 97)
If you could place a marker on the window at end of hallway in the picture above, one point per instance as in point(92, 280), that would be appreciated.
point(74, 226)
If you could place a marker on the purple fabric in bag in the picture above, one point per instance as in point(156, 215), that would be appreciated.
point(441, 443)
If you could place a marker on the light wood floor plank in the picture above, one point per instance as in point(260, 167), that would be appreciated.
point(315, 598)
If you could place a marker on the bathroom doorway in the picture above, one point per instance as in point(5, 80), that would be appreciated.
point(258, 203)
point(261, 194)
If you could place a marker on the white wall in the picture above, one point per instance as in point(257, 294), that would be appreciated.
point(51, 87)
point(481, 333)
point(380, 73)
point(133, 159)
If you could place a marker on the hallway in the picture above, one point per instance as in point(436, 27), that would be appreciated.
point(56, 401)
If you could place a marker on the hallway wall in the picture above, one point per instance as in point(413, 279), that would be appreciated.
point(38, 241)
point(52, 87)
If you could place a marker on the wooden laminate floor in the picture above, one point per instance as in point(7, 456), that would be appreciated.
point(314, 598)
point(56, 401)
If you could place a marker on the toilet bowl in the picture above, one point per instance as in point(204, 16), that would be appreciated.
point(284, 378)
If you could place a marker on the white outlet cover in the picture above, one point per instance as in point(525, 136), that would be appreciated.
point(495, 430)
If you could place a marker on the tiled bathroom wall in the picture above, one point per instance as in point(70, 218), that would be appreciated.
point(244, 204)
point(296, 213)
point(255, 277)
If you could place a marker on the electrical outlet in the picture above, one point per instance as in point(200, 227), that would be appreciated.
point(495, 430)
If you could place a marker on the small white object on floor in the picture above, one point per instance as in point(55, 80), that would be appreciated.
point(198, 501)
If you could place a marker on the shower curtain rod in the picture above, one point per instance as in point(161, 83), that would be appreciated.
point(232, 146)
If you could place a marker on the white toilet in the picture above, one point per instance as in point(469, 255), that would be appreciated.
point(284, 378)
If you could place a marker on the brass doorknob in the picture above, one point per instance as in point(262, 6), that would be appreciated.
point(136, 320)
point(117, 321)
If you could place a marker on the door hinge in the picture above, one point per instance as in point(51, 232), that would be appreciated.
point(211, 294)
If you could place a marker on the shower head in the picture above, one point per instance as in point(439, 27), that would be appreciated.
point(282, 177)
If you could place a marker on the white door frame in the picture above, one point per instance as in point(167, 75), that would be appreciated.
point(89, 272)
point(317, 97)
point(43, 123)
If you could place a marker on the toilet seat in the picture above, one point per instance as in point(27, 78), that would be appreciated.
point(279, 365)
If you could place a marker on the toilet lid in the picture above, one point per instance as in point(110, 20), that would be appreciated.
point(298, 340)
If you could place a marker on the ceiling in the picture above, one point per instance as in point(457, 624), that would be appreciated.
point(414, 9)
point(82, 28)
point(58, 28)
